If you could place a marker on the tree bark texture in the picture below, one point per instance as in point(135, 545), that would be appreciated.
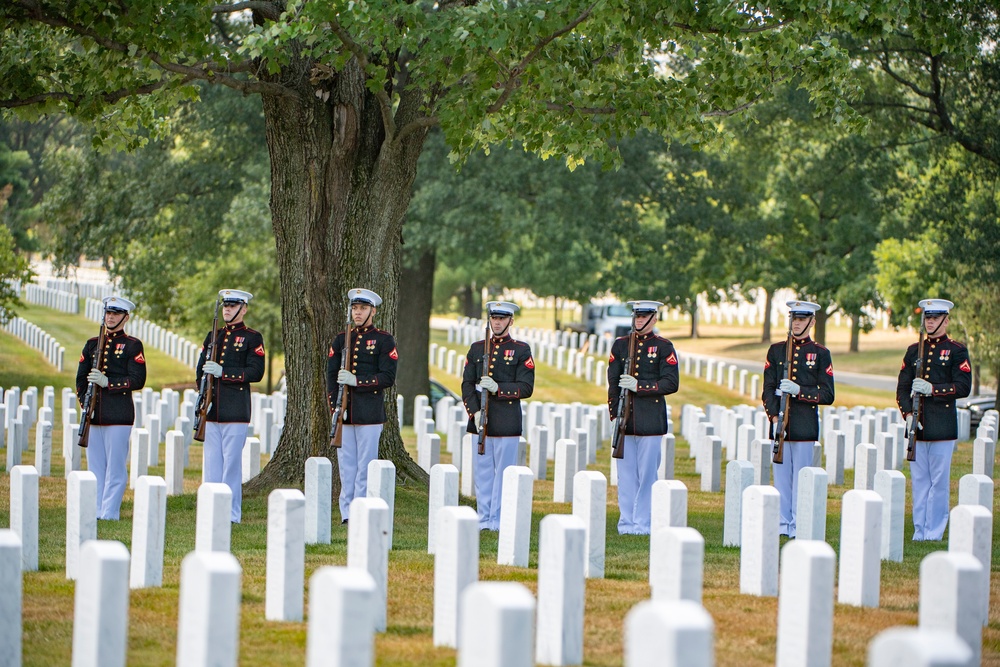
point(416, 294)
point(855, 333)
point(765, 336)
point(694, 318)
point(338, 195)
point(819, 333)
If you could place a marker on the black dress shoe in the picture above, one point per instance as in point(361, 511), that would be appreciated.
point(344, 522)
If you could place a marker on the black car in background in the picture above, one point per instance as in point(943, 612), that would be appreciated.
point(977, 405)
point(439, 391)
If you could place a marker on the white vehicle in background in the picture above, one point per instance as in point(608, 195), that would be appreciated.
point(612, 319)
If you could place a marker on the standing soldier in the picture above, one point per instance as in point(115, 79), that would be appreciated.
point(945, 375)
point(122, 370)
point(809, 385)
point(237, 360)
point(370, 370)
point(510, 377)
point(651, 376)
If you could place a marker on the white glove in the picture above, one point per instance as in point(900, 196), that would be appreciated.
point(789, 387)
point(628, 382)
point(212, 368)
point(347, 377)
point(909, 423)
point(489, 384)
point(922, 386)
point(98, 378)
point(477, 417)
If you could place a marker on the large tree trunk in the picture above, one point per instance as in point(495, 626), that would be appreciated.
point(765, 336)
point(338, 195)
point(694, 318)
point(819, 334)
point(416, 293)
point(855, 333)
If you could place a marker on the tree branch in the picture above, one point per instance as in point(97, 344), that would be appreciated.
point(724, 113)
point(415, 125)
point(205, 71)
point(268, 10)
point(109, 97)
point(384, 103)
point(513, 77)
point(887, 68)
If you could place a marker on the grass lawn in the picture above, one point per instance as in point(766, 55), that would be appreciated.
point(745, 625)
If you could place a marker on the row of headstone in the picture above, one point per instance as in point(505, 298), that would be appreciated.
point(720, 372)
point(66, 302)
point(37, 338)
point(85, 289)
point(152, 335)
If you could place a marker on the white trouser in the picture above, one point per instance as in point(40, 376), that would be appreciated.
point(637, 471)
point(795, 456)
point(107, 458)
point(930, 473)
point(360, 447)
point(224, 459)
point(500, 454)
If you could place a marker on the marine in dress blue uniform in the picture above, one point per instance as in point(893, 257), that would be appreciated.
point(946, 376)
point(809, 385)
point(371, 370)
point(122, 370)
point(511, 377)
point(655, 376)
point(238, 361)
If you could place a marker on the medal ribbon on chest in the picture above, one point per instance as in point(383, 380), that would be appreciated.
point(810, 359)
point(370, 345)
point(508, 356)
point(651, 352)
point(945, 355)
point(238, 342)
point(119, 349)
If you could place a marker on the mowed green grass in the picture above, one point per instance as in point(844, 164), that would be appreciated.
point(745, 626)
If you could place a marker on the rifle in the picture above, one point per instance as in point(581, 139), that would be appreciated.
point(205, 391)
point(911, 437)
point(340, 405)
point(89, 404)
point(778, 452)
point(484, 397)
point(624, 401)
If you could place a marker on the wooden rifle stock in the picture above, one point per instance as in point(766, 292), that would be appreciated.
point(484, 396)
point(918, 403)
point(89, 405)
point(778, 453)
point(207, 386)
point(624, 401)
point(340, 409)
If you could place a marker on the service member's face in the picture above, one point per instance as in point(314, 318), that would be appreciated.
point(498, 323)
point(360, 312)
point(800, 326)
point(936, 325)
point(644, 322)
point(114, 319)
point(233, 312)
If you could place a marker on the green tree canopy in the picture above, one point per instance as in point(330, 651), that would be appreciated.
point(349, 90)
